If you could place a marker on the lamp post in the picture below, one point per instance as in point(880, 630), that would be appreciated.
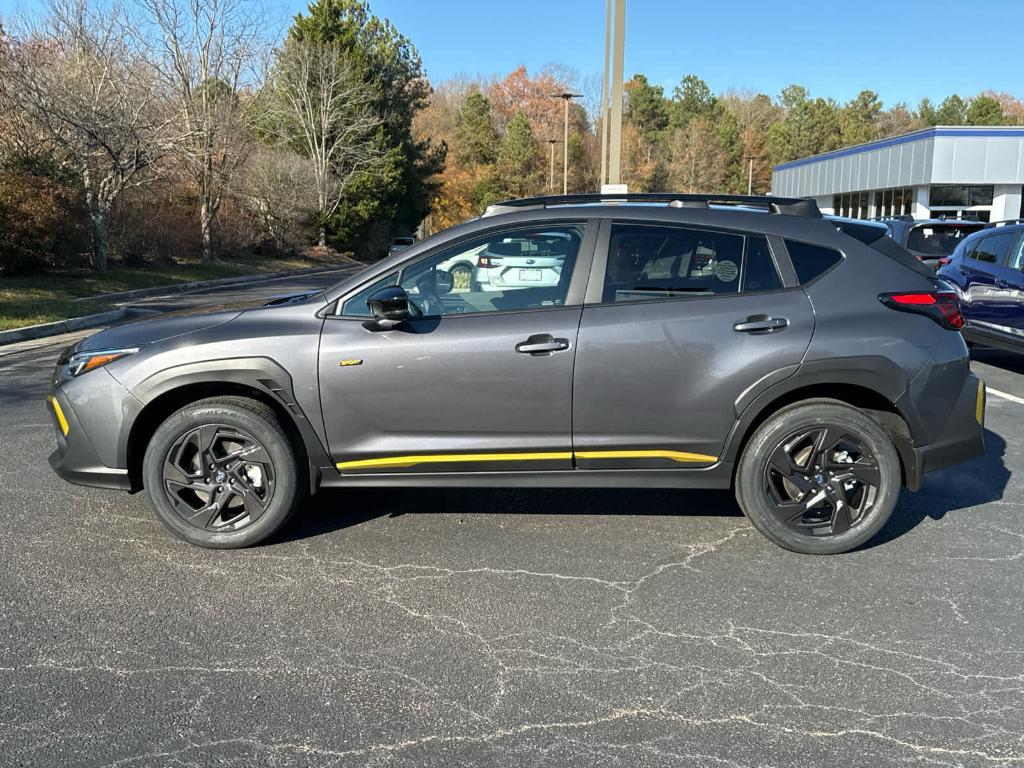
point(551, 167)
point(566, 97)
point(750, 178)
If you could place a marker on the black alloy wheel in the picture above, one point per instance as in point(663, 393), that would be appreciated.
point(819, 477)
point(218, 477)
point(822, 480)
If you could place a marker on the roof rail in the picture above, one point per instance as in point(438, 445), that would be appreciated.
point(788, 206)
point(1004, 222)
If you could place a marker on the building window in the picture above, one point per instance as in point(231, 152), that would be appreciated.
point(959, 196)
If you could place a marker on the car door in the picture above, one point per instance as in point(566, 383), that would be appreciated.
point(991, 288)
point(480, 381)
point(679, 321)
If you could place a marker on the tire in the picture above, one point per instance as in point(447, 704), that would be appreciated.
point(221, 473)
point(787, 498)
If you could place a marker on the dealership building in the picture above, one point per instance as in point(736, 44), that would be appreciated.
point(951, 171)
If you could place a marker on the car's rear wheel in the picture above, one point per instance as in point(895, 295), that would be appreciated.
point(819, 477)
point(221, 473)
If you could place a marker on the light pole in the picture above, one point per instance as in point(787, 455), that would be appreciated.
point(750, 178)
point(551, 167)
point(566, 97)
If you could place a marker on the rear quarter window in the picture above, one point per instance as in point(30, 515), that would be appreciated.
point(810, 261)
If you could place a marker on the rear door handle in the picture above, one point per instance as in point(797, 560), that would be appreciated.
point(542, 344)
point(761, 324)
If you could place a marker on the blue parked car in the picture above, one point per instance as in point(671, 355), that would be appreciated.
point(987, 268)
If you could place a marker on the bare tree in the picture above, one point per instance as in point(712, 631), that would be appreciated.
point(206, 55)
point(276, 188)
point(321, 107)
point(75, 80)
point(698, 161)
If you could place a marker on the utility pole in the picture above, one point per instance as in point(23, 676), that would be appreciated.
point(604, 92)
point(566, 98)
point(611, 110)
point(551, 168)
point(750, 178)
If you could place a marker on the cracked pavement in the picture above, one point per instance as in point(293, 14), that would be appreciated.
point(440, 627)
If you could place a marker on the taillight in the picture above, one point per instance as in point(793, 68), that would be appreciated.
point(941, 306)
point(944, 261)
point(486, 262)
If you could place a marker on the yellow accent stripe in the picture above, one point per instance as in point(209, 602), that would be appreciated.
point(448, 458)
point(979, 412)
point(681, 456)
point(60, 414)
point(458, 458)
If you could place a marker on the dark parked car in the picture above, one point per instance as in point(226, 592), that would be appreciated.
point(931, 240)
point(986, 268)
point(811, 365)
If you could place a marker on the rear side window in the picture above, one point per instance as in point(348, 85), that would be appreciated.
point(939, 239)
point(664, 262)
point(993, 249)
point(809, 261)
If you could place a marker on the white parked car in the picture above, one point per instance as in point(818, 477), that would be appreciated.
point(534, 262)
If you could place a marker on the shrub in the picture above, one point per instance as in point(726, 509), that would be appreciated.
point(40, 223)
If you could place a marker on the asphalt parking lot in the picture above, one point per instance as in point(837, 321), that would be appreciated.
point(442, 627)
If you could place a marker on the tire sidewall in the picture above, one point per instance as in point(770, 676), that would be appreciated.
point(268, 433)
point(752, 496)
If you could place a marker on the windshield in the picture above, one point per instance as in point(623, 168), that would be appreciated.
point(939, 239)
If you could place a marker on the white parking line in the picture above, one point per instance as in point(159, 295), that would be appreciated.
point(1006, 396)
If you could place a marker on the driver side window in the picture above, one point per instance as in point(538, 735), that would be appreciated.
point(512, 270)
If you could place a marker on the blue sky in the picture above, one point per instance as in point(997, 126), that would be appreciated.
point(904, 50)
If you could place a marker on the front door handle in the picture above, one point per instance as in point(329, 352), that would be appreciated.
point(761, 324)
point(542, 344)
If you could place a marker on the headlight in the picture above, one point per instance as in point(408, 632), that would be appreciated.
point(83, 362)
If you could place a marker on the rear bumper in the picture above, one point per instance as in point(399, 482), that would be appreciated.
point(75, 459)
point(962, 438)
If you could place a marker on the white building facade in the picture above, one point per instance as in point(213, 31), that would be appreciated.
point(951, 171)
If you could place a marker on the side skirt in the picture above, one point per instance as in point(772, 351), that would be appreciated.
point(718, 475)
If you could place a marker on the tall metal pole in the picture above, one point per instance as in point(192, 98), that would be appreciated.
point(565, 152)
point(566, 97)
point(604, 92)
point(615, 111)
point(750, 178)
point(551, 167)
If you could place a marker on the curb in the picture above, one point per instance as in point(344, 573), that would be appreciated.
point(220, 282)
point(42, 330)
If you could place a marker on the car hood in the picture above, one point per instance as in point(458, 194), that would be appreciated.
point(172, 324)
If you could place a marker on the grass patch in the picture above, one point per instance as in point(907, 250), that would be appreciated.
point(47, 298)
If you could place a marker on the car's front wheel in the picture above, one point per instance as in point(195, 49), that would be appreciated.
point(819, 477)
point(221, 473)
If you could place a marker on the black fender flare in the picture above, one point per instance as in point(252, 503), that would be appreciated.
point(262, 374)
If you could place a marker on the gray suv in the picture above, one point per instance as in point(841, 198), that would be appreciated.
point(712, 341)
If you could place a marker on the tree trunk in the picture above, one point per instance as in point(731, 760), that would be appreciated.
point(99, 217)
point(100, 232)
point(323, 235)
point(206, 227)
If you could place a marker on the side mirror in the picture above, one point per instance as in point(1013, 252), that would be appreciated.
point(389, 307)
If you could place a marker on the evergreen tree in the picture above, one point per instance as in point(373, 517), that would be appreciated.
point(859, 119)
point(692, 98)
point(396, 198)
point(646, 108)
point(985, 110)
point(927, 113)
point(518, 158)
point(477, 140)
point(952, 111)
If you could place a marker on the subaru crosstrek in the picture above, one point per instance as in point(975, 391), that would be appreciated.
point(713, 341)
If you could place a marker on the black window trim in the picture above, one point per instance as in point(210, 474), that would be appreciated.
point(817, 277)
point(1002, 262)
point(574, 297)
point(595, 286)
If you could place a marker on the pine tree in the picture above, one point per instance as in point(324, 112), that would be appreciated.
point(518, 159)
point(476, 138)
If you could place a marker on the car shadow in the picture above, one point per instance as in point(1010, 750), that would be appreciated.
point(973, 483)
point(323, 514)
point(979, 481)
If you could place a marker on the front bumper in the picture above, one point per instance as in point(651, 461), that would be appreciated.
point(961, 439)
point(76, 460)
